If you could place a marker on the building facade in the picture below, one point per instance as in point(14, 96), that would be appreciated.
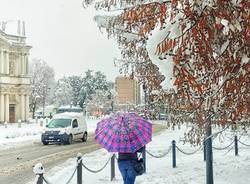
point(128, 91)
point(14, 78)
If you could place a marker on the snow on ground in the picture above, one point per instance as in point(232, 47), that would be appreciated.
point(29, 133)
point(12, 135)
point(228, 169)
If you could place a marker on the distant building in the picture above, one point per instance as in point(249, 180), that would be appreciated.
point(128, 91)
point(14, 78)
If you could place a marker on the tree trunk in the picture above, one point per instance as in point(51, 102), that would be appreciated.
point(209, 154)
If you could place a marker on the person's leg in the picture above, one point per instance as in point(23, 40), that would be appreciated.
point(131, 174)
point(122, 165)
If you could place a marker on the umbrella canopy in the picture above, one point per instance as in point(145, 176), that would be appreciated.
point(123, 132)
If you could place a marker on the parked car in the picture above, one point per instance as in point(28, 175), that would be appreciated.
point(65, 128)
point(163, 116)
point(38, 114)
point(47, 112)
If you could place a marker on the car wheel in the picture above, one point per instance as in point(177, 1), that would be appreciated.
point(45, 143)
point(84, 137)
point(70, 139)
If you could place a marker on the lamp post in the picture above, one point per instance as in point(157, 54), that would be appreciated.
point(144, 87)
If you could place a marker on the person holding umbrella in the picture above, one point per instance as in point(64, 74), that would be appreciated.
point(127, 134)
point(126, 164)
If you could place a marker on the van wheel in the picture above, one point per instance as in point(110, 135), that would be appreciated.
point(70, 139)
point(84, 137)
point(45, 143)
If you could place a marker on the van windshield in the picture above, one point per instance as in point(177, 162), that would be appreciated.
point(59, 123)
point(69, 110)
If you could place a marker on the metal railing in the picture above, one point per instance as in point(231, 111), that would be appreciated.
point(160, 156)
point(39, 170)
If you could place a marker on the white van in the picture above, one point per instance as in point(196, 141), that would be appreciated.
point(64, 128)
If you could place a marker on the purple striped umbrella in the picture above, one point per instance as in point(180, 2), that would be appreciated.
point(123, 132)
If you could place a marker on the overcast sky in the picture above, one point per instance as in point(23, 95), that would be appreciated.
point(63, 34)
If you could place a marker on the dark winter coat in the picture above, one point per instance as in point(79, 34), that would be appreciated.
point(129, 156)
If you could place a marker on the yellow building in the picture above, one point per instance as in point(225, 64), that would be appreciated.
point(14, 78)
point(128, 91)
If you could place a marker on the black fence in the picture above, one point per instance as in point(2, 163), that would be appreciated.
point(39, 170)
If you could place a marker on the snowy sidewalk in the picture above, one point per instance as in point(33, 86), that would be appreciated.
point(228, 169)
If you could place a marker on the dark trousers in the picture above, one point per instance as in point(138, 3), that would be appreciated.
point(126, 168)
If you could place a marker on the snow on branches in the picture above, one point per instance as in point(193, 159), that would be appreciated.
point(132, 40)
point(210, 48)
point(211, 55)
point(208, 42)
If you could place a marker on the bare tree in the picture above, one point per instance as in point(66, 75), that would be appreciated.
point(42, 82)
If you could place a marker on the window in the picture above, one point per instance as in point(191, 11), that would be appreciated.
point(59, 123)
point(62, 110)
point(75, 124)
